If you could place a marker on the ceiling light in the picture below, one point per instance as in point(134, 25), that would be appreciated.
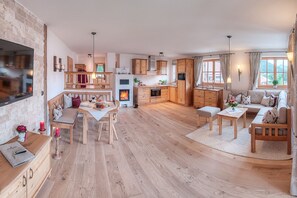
point(161, 54)
point(93, 33)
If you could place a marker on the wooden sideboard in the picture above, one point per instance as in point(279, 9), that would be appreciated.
point(27, 179)
point(208, 97)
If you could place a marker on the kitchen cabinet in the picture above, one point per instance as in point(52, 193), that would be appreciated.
point(27, 179)
point(161, 67)
point(139, 66)
point(172, 94)
point(208, 97)
point(185, 87)
point(142, 95)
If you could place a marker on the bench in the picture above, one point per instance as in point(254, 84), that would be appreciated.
point(208, 112)
point(68, 118)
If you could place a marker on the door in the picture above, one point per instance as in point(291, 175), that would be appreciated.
point(70, 69)
point(181, 92)
point(143, 66)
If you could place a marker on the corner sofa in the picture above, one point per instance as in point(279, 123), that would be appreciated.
point(279, 131)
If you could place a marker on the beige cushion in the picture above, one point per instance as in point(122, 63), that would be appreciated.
point(270, 92)
point(263, 110)
point(265, 101)
point(208, 111)
point(254, 108)
point(282, 108)
point(68, 117)
point(256, 96)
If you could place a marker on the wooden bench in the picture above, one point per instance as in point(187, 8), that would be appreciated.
point(68, 119)
point(271, 132)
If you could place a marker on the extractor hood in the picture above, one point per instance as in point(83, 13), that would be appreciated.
point(151, 63)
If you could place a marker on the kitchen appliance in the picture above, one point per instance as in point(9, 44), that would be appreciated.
point(155, 92)
point(151, 63)
point(181, 76)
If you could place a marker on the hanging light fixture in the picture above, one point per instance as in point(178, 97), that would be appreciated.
point(93, 33)
point(229, 77)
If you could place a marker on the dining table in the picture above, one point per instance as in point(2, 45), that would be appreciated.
point(89, 110)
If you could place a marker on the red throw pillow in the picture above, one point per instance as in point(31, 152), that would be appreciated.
point(76, 102)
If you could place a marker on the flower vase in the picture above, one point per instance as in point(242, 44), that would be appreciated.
point(22, 136)
point(233, 108)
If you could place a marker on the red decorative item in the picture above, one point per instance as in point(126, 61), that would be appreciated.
point(41, 127)
point(76, 102)
point(57, 134)
point(21, 128)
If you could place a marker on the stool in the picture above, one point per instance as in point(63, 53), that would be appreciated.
point(207, 112)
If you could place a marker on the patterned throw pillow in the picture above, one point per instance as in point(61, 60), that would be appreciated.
point(58, 112)
point(270, 116)
point(245, 100)
point(266, 101)
point(237, 98)
point(273, 100)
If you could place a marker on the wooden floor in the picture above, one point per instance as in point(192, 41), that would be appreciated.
point(153, 158)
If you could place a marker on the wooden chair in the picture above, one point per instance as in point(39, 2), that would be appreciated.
point(112, 120)
point(272, 132)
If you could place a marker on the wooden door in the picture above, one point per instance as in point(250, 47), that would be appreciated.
point(189, 81)
point(70, 69)
point(181, 92)
point(143, 67)
point(172, 94)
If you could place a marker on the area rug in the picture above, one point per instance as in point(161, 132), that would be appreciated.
point(242, 145)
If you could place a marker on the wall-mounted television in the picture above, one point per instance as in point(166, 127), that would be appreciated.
point(16, 72)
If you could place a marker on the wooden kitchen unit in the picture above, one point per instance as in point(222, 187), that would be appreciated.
point(208, 97)
point(139, 66)
point(27, 179)
point(142, 95)
point(161, 67)
point(172, 94)
point(185, 81)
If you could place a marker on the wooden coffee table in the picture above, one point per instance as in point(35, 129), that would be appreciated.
point(233, 116)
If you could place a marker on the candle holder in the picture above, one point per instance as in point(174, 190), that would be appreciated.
point(57, 154)
point(42, 132)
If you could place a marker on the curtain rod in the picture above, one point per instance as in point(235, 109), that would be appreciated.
point(214, 55)
point(283, 51)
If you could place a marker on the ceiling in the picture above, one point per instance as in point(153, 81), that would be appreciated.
point(176, 27)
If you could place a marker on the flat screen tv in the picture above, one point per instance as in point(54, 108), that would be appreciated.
point(16, 72)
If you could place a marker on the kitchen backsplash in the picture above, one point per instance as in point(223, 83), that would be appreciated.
point(151, 79)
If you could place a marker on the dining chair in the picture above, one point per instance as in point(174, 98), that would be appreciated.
point(110, 122)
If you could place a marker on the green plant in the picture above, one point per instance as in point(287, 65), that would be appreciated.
point(275, 82)
point(136, 80)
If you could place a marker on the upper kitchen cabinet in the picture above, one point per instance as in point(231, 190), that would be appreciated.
point(139, 66)
point(161, 67)
point(181, 66)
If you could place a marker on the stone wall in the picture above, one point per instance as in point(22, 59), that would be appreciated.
point(19, 25)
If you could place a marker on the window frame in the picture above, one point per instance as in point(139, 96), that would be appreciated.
point(213, 74)
point(274, 73)
point(95, 70)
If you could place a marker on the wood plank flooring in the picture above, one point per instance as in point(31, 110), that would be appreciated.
point(153, 158)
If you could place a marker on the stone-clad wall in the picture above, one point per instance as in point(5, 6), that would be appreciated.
point(19, 25)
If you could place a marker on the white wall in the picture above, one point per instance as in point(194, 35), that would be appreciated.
point(242, 59)
point(55, 80)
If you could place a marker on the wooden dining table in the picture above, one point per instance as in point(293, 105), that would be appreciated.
point(89, 111)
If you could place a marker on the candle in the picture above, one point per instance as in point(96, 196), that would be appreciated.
point(57, 134)
point(41, 128)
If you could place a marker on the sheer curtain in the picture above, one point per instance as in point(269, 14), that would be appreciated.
point(198, 64)
point(225, 67)
point(254, 59)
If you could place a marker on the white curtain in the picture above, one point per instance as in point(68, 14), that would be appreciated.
point(291, 82)
point(255, 59)
point(225, 67)
point(198, 64)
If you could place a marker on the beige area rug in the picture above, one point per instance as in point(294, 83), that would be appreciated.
point(242, 145)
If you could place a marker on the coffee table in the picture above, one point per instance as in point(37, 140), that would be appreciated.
point(233, 116)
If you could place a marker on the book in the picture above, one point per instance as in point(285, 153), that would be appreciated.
point(16, 154)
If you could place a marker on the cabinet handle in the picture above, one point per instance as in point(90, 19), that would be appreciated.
point(31, 173)
point(24, 180)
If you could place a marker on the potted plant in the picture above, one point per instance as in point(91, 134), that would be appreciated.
point(232, 103)
point(22, 132)
point(275, 83)
point(136, 81)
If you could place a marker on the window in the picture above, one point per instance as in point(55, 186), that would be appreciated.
point(211, 72)
point(99, 67)
point(271, 69)
point(174, 62)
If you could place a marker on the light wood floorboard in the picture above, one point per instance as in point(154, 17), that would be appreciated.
point(153, 158)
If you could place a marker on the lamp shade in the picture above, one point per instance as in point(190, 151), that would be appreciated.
point(229, 80)
point(290, 56)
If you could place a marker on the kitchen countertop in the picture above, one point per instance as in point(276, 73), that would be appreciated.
point(209, 89)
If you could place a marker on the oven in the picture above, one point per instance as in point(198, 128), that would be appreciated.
point(155, 92)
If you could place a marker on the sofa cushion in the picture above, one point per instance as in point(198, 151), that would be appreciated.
point(208, 111)
point(266, 101)
point(272, 92)
point(68, 117)
point(256, 96)
point(270, 116)
point(254, 108)
point(245, 100)
point(282, 108)
point(263, 110)
point(237, 91)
